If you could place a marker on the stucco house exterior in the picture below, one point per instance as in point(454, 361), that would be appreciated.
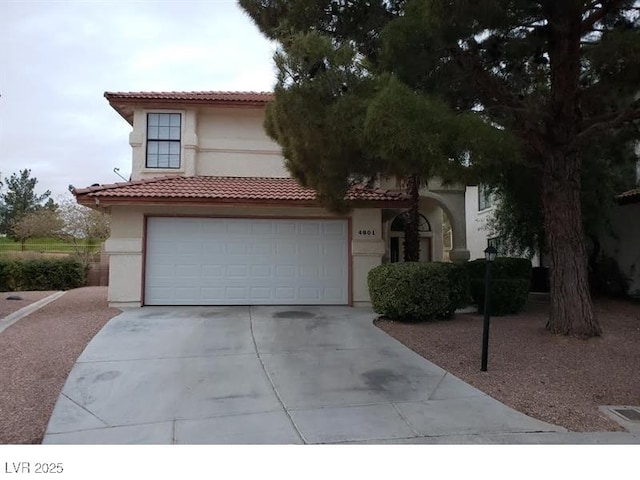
point(211, 216)
point(479, 207)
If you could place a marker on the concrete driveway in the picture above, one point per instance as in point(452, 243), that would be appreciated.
point(268, 375)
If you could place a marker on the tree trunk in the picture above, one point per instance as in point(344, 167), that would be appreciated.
point(411, 232)
point(571, 307)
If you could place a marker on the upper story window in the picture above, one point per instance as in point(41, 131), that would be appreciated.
point(485, 199)
point(163, 140)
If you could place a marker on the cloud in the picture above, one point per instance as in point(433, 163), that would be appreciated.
point(58, 59)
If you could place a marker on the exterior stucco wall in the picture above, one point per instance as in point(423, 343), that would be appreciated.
point(126, 244)
point(620, 240)
point(433, 214)
point(241, 164)
point(367, 249)
point(214, 141)
point(436, 200)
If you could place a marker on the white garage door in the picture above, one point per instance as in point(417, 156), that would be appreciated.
point(232, 261)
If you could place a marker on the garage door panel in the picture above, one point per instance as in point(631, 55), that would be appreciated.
point(237, 271)
point(238, 247)
point(212, 292)
point(212, 248)
point(187, 293)
point(212, 271)
point(204, 261)
point(260, 293)
point(285, 271)
point(334, 229)
point(262, 228)
point(332, 293)
point(238, 228)
point(310, 271)
point(188, 271)
point(258, 248)
point(261, 271)
point(285, 294)
point(285, 228)
point(236, 293)
point(310, 228)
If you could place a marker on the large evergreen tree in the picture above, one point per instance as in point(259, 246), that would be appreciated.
point(609, 168)
point(551, 73)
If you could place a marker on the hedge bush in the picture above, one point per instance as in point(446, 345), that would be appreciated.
point(416, 291)
point(503, 267)
point(508, 295)
point(510, 283)
point(41, 274)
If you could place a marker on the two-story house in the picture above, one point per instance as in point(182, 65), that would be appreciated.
point(211, 216)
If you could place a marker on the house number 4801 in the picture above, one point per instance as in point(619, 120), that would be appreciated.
point(366, 232)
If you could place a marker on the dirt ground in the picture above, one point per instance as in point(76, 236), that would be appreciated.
point(37, 354)
point(561, 380)
point(13, 301)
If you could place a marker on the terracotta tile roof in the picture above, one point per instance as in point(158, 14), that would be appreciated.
point(208, 97)
point(125, 102)
point(223, 189)
point(631, 196)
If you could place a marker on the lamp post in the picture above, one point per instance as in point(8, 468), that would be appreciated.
point(490, 255)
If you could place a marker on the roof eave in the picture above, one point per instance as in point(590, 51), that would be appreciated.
point(628, 200)
point(124, 105)
point(92, 200)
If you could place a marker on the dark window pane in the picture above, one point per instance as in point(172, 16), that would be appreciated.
point(163, 140)
point(394, 250)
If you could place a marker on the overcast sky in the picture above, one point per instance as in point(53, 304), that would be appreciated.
point(57, 58)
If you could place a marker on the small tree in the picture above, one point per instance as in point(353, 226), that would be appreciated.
point(41, 223)
point(82, 223)
point(20, 199)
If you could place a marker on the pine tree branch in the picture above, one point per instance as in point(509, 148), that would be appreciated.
point(497, 92)
point(598, 14)
point(610, 120)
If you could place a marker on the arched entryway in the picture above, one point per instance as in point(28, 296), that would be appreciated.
point(396, 238)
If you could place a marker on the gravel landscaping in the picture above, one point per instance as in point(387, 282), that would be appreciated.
point(36, 355)
point(561, 380)
point(9, 302)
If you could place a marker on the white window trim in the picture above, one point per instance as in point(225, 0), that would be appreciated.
point(154, 170)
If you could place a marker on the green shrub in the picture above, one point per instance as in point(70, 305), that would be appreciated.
point(503, 267)
point(41, 274)
point(510, 283)
point(508, 295)
point(415, 291)
point(10, 274)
